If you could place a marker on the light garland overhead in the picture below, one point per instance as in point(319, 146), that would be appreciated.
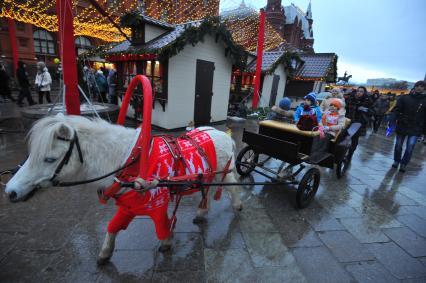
point(87, 21)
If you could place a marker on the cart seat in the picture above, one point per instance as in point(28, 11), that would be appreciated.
point(286, 127)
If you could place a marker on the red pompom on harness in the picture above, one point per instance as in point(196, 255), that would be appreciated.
point(192, 154)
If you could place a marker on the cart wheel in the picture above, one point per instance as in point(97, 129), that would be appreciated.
point(308, 187)
point(343, 165)
point(246, 161)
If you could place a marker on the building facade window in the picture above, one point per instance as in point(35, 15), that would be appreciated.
point(44, 43)
point(154, 70)
point(82, 44)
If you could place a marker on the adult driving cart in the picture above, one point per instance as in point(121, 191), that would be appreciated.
point(295, 148)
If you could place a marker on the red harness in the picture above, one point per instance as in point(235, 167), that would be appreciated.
point(170, 158)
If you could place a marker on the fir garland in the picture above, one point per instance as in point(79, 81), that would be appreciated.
point(286, 59)
point(192, 35)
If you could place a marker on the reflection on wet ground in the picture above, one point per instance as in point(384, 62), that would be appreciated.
point(370, 226)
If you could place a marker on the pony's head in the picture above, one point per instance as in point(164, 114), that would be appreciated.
point(54, 155)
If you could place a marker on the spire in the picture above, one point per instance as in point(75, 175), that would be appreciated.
point(242, 5)
point(309, 12)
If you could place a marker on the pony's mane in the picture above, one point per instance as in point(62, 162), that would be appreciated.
point(42, 135)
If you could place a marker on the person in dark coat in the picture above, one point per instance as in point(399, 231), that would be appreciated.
point(359, 109)
point(4, 84)
point(410, 113)
point(102, 86)
point(24, 85)
point(380, 107)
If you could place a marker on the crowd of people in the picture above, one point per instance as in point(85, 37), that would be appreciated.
point(405, 113)
point(101, 84)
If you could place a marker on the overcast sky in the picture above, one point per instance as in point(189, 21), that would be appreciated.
point(373, 38)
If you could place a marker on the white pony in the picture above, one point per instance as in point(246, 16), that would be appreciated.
point(103, 147)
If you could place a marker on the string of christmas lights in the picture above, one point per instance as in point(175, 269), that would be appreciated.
point(87, 21)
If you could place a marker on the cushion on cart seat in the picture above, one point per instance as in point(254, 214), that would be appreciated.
point(286, 127)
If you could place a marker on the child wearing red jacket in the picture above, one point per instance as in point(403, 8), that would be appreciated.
point(333, 119)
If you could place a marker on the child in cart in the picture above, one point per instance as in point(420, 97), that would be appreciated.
point(281, 112)
point(333, 121)
point(308, 114)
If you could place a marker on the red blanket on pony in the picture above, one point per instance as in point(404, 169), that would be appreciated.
point(164, 163)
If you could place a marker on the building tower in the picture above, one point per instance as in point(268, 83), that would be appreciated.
point(275, 15)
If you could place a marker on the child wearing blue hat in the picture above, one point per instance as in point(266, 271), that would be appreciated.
point(281, 112)
point(308, 114)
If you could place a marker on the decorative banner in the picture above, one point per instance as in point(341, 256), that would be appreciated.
point(260, 42)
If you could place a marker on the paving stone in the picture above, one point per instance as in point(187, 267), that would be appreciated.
point(267, 249)
point(364, 232)
point(189, 276)
point(222, 236)
point(371, 272)
point(271, 274)
point(415, 223)
point(345, 247)
point(320, 219)
point(232, 265)
point(187, 246)
point(412, 243)
point(296, 232)
point(397, 261)
point(415, 280)
point(409, 192)
point(338, 210)
point(419, 211)
point(139, 235)
point(377, 216)
point(18, 266)
point(8, 242)
point(261, 224)
point(318, 265)
point(184, 223)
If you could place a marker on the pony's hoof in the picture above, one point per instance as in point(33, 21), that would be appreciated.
point(199, 220)
point(164, 248)
point(102, 261)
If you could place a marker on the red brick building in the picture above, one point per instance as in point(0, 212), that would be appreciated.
point(294, 25)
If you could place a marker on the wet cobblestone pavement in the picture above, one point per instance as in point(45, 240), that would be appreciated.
point(369, 226)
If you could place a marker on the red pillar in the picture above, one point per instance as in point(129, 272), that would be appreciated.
point(260, 41)
point(67, 50)
point(12, 37)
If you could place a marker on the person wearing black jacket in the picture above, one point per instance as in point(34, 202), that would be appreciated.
point(4, 84)
point(410, 113)
point(24, 84)
point(359, 109)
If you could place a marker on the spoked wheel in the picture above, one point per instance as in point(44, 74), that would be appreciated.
point(343, 165)
point(308, 187)
point(246, 161)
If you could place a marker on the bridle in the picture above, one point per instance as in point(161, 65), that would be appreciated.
point(67, 156)
point(74, 142)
